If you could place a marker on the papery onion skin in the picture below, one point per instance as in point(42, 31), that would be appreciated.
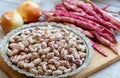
point(30, 11)
point(11, 20)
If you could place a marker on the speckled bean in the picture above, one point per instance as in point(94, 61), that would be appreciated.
point(48, 72)
point(67, 70)
point(37, 61)
point(50, 55)
point(81, 48)
point(62, 68)
point(57, 72)
point(51, 67)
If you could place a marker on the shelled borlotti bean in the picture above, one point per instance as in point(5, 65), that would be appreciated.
point(47, 50)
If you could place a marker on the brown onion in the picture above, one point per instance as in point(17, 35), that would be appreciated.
point(11, 20)
point(30, 11)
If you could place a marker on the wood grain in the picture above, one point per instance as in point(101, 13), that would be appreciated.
point(99, 62)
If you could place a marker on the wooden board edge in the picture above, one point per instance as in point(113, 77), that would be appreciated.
point(102, 67)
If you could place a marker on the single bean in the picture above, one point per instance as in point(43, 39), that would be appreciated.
point(33, 70)
point(81, 48)
point(62, 68)
point(28, 65)
point(10, 53)
point(44, 65)
point(57, 72)
point(78, 61)
point(43, 57)
point(48, 72)
point(21, 46)
point(50, 55)
point(37, 61)
point(51, 67)
point(67, 70)
point(13, 45)
point(56, 52)
point(82, 55)
point(64, 52)
point(12, 40)
point(56, 63)
point(76, 55)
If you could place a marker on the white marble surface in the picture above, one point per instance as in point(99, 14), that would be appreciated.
point(109, 72)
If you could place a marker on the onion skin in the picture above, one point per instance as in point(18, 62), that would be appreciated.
point(11, 20)
point(30, 11)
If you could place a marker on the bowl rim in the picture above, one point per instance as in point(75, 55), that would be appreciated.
point(58, 25)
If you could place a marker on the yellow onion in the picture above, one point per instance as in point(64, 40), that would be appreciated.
point(11, 20)
point(30, 11)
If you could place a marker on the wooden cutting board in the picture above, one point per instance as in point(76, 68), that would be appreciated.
point(98, 62)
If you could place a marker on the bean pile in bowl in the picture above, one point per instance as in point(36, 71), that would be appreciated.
point(47, 50)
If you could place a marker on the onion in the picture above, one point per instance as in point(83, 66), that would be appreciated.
point(11, 20)
point(30, 11)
